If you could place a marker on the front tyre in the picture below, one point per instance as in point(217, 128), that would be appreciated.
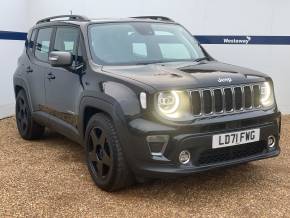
point(104, 155)
point(27, 128)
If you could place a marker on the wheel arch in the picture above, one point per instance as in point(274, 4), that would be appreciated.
point(91, 105)
point(18, 85)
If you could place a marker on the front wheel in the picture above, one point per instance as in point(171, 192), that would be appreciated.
point(27, 127)
point(104, 155)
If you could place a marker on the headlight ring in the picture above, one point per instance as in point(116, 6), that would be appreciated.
point(168, 102)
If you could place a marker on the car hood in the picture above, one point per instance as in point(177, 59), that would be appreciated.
point(187, 75)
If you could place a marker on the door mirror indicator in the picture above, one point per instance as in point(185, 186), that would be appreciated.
point(60, 59)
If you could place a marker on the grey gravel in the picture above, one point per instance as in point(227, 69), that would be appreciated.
point(49, 178)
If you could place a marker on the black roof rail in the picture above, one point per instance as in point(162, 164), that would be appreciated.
point(160, 18)
point(70, 17)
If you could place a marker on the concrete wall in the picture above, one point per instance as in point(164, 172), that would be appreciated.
point(201, 17)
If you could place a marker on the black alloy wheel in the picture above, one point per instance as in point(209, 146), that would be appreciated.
point(104, 155)
point(22, 114)
point(27, 127)
point(100, 152)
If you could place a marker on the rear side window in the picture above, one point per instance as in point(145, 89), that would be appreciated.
point(42, 44)
point(66, 39)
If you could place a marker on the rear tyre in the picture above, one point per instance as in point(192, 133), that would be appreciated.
point(27, 128)
point(104, 155)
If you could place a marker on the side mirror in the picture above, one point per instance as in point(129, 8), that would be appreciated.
point(60, 59)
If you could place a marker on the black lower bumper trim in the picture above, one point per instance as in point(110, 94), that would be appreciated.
point(211, 156)
point(171, 171)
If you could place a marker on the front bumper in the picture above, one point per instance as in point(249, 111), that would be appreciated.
point(197, 138)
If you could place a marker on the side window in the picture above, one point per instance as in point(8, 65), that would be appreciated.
point(66, 39)
point(42, 44)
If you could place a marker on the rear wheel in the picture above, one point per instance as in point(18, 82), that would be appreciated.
point(104, 155)
point(27, 128)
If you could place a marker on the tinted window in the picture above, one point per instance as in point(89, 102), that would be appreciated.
point(174, 51)
point(42, 44)
point(139, 49)
point(141, 43)
point(66, 39)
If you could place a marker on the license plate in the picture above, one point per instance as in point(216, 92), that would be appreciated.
point(235, 138)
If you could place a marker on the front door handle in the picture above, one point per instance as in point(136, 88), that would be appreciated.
point(29, 69)
point(50, 76)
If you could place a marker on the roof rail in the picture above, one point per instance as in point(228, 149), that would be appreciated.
point(70, 17)
point(160, 18)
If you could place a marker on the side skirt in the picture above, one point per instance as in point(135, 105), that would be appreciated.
point(58, 125)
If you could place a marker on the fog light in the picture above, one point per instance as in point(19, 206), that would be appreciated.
point(184, 157)
point(271, 141)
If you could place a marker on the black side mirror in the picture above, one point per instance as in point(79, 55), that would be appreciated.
point(60, 59)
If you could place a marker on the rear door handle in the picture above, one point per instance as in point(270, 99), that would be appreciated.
point(50, 76)
point(29, 69)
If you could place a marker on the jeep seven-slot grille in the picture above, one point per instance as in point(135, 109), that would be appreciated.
point(225, 99)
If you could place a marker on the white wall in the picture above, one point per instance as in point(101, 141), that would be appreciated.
point(201, 17)
point(13, 17)
point(205, 17)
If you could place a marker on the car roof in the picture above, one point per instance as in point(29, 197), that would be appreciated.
point(81, 20)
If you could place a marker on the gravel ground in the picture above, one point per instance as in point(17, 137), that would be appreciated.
point(49, 178)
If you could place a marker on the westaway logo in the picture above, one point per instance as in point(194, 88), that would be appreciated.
point(238, 40)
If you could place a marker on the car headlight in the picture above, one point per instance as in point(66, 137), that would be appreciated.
point(168, 102)
point(267, 96)
point(173, 104)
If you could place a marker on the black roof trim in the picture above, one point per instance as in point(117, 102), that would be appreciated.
point(159, 18)
point(70, 18)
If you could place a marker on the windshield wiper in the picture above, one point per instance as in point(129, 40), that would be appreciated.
point(201, 59)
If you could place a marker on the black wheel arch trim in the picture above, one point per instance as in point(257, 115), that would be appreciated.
point(106, 106)
point(20, 82)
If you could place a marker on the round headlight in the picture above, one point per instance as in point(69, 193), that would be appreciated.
point(267, 98)
point(168, 102)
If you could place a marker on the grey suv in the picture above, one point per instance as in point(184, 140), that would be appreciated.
point(143, 97)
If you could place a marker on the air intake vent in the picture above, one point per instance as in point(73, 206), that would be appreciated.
point(218, 100)
point(238, 98)
point(207, 102)
point(225, 100)
point(196, 103)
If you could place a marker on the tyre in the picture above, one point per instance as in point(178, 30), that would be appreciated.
point(27, 128)
point(104, 155)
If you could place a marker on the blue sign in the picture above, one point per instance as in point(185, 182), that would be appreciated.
point(243, 40)
point(203, 39)
point(7, 35)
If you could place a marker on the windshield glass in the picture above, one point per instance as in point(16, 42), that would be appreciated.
point(141, 43)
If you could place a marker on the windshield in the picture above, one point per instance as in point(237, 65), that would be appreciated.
point(141, 43)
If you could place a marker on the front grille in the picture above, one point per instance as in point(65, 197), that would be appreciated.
point(212, 156)
point(225, 99)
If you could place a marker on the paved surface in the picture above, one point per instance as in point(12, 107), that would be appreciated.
point(49, 178)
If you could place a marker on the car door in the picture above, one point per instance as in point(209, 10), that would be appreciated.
point(38, 65)
point(63, 84)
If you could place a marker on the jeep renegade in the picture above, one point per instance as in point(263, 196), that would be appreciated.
point(143, 97)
